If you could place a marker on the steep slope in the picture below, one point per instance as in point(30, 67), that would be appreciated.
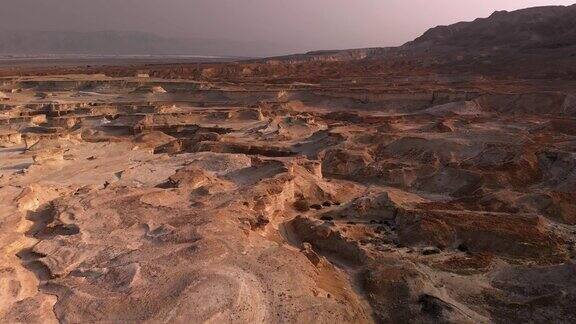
point(532, 28)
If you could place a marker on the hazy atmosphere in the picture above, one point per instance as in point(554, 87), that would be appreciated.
point(283, 26)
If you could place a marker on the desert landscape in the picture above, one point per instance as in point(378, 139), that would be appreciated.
point(429, 183)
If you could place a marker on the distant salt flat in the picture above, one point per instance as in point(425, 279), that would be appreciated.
point(109, 56)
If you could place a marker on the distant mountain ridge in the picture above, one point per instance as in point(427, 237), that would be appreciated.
point(515, 42)
point(537, 27)
point(123, 43)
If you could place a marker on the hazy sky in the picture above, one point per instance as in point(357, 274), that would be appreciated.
point(295, 24)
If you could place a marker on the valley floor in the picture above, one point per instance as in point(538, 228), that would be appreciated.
point(163, 199)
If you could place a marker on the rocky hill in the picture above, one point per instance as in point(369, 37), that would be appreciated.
point(506, 43)
point(533, 28)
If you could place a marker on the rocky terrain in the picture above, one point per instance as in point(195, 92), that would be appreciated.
point(328, 190)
